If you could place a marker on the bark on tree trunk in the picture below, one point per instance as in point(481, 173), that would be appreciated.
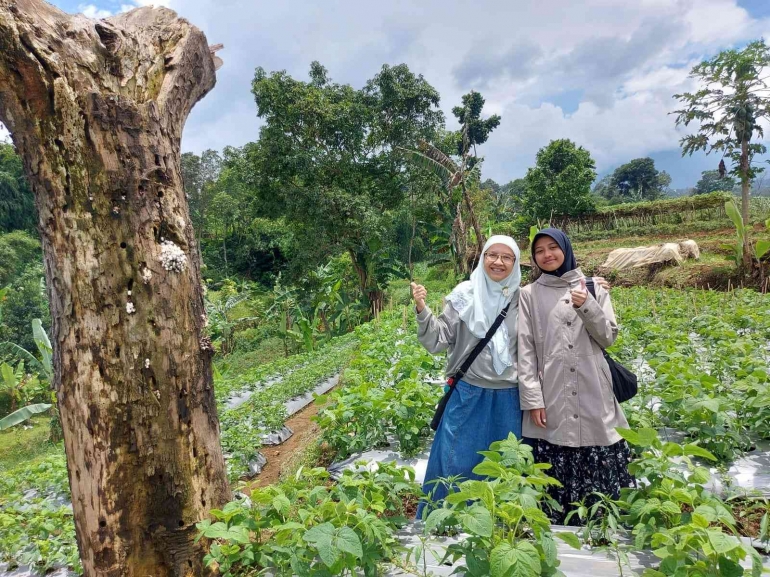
point(745, 193)
point(461, 240)
point(96, 110)
point(480, 240)
point(374, 295)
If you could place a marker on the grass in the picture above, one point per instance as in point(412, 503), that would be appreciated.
point(26, 445)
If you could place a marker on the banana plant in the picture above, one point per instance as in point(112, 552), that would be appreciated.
point(763, 246)
point(741, 232)
point(23, 414)
point(12, 383)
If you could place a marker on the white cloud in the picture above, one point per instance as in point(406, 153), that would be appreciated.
point(5, 136)
point(92, 11)
point(623, 60)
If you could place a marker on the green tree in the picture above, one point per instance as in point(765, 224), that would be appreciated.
point(728, 109)
point(560, 182)
point(636, 181)
point(710, 181)
point(25, 300)
point(17, 205)
point(504, 200)
point(199, 174)
point(330, 159)
point(18, 251)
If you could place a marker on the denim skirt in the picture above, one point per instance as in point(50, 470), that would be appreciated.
point(474, 418)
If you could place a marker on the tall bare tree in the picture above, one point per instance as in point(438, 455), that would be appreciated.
point(96, 110)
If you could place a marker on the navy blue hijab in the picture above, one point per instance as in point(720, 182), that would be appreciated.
point(566, 247)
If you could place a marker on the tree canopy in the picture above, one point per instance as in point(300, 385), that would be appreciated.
point(560, 182)
point(710, 181)
point(330, 160)
point(634, 181)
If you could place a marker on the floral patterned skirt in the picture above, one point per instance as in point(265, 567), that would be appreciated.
point(582, 471)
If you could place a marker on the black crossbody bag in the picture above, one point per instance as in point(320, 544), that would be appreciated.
point(455, 378)
point(624, 382)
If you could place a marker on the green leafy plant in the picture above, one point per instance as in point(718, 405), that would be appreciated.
point(306, 526)
point(673, 513)
point(505, 530)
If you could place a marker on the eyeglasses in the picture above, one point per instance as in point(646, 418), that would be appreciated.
point(505, 258)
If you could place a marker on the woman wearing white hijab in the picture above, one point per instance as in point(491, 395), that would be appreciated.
point(484, 406)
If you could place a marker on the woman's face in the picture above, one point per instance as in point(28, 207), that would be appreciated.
point(548, 254)
point(498, 262)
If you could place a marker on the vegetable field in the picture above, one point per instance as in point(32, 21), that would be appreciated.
point(704, 403)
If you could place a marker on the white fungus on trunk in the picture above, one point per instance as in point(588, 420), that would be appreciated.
point(172, 257)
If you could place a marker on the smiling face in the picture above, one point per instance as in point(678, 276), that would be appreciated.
point(498, 262)
point(548, 254)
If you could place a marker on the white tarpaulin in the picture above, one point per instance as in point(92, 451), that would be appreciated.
point(669, 252)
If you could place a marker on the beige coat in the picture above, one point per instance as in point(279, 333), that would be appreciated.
point(562, 368)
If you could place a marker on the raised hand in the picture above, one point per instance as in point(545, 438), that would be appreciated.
point(604, 282)
point(419, 294)
point(579, 295)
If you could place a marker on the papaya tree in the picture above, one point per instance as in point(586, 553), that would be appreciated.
point(729, 107)
point(96, 111)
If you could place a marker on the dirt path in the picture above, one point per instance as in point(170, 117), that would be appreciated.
point(305, 432)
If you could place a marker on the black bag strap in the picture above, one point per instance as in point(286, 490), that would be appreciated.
point(590, 286)
point(592, 289)
point(481, 344)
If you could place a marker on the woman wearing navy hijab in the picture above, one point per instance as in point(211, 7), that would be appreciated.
point(565, 385)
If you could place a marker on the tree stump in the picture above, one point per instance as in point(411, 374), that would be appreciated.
point(96, 110)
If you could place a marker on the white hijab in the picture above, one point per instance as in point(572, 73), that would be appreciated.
point(479, 301)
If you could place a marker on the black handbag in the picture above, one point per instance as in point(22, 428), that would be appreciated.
point(455, 378)
point(624, 382)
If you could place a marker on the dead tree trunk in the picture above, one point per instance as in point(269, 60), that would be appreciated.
point(96, 110)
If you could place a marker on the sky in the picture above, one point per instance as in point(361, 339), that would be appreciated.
point(600, 72)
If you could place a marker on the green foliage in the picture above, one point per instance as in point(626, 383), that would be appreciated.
point(689, 529)
point(701, 212)
point(505, 529)
point(710, 181)
point(704, 371)
point(18, 252)
point(17, 205)
point(560, 183)
point(25, 300)
point(476, 130)
point(264, 411)
point(385, 393)
point(199, 175)
point(36, 529)
point(23, 414)
point(729, 107)
point(307, 526)
point(636, 181)
point(329, 160)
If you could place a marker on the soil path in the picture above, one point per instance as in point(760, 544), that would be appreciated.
point(305, 432)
